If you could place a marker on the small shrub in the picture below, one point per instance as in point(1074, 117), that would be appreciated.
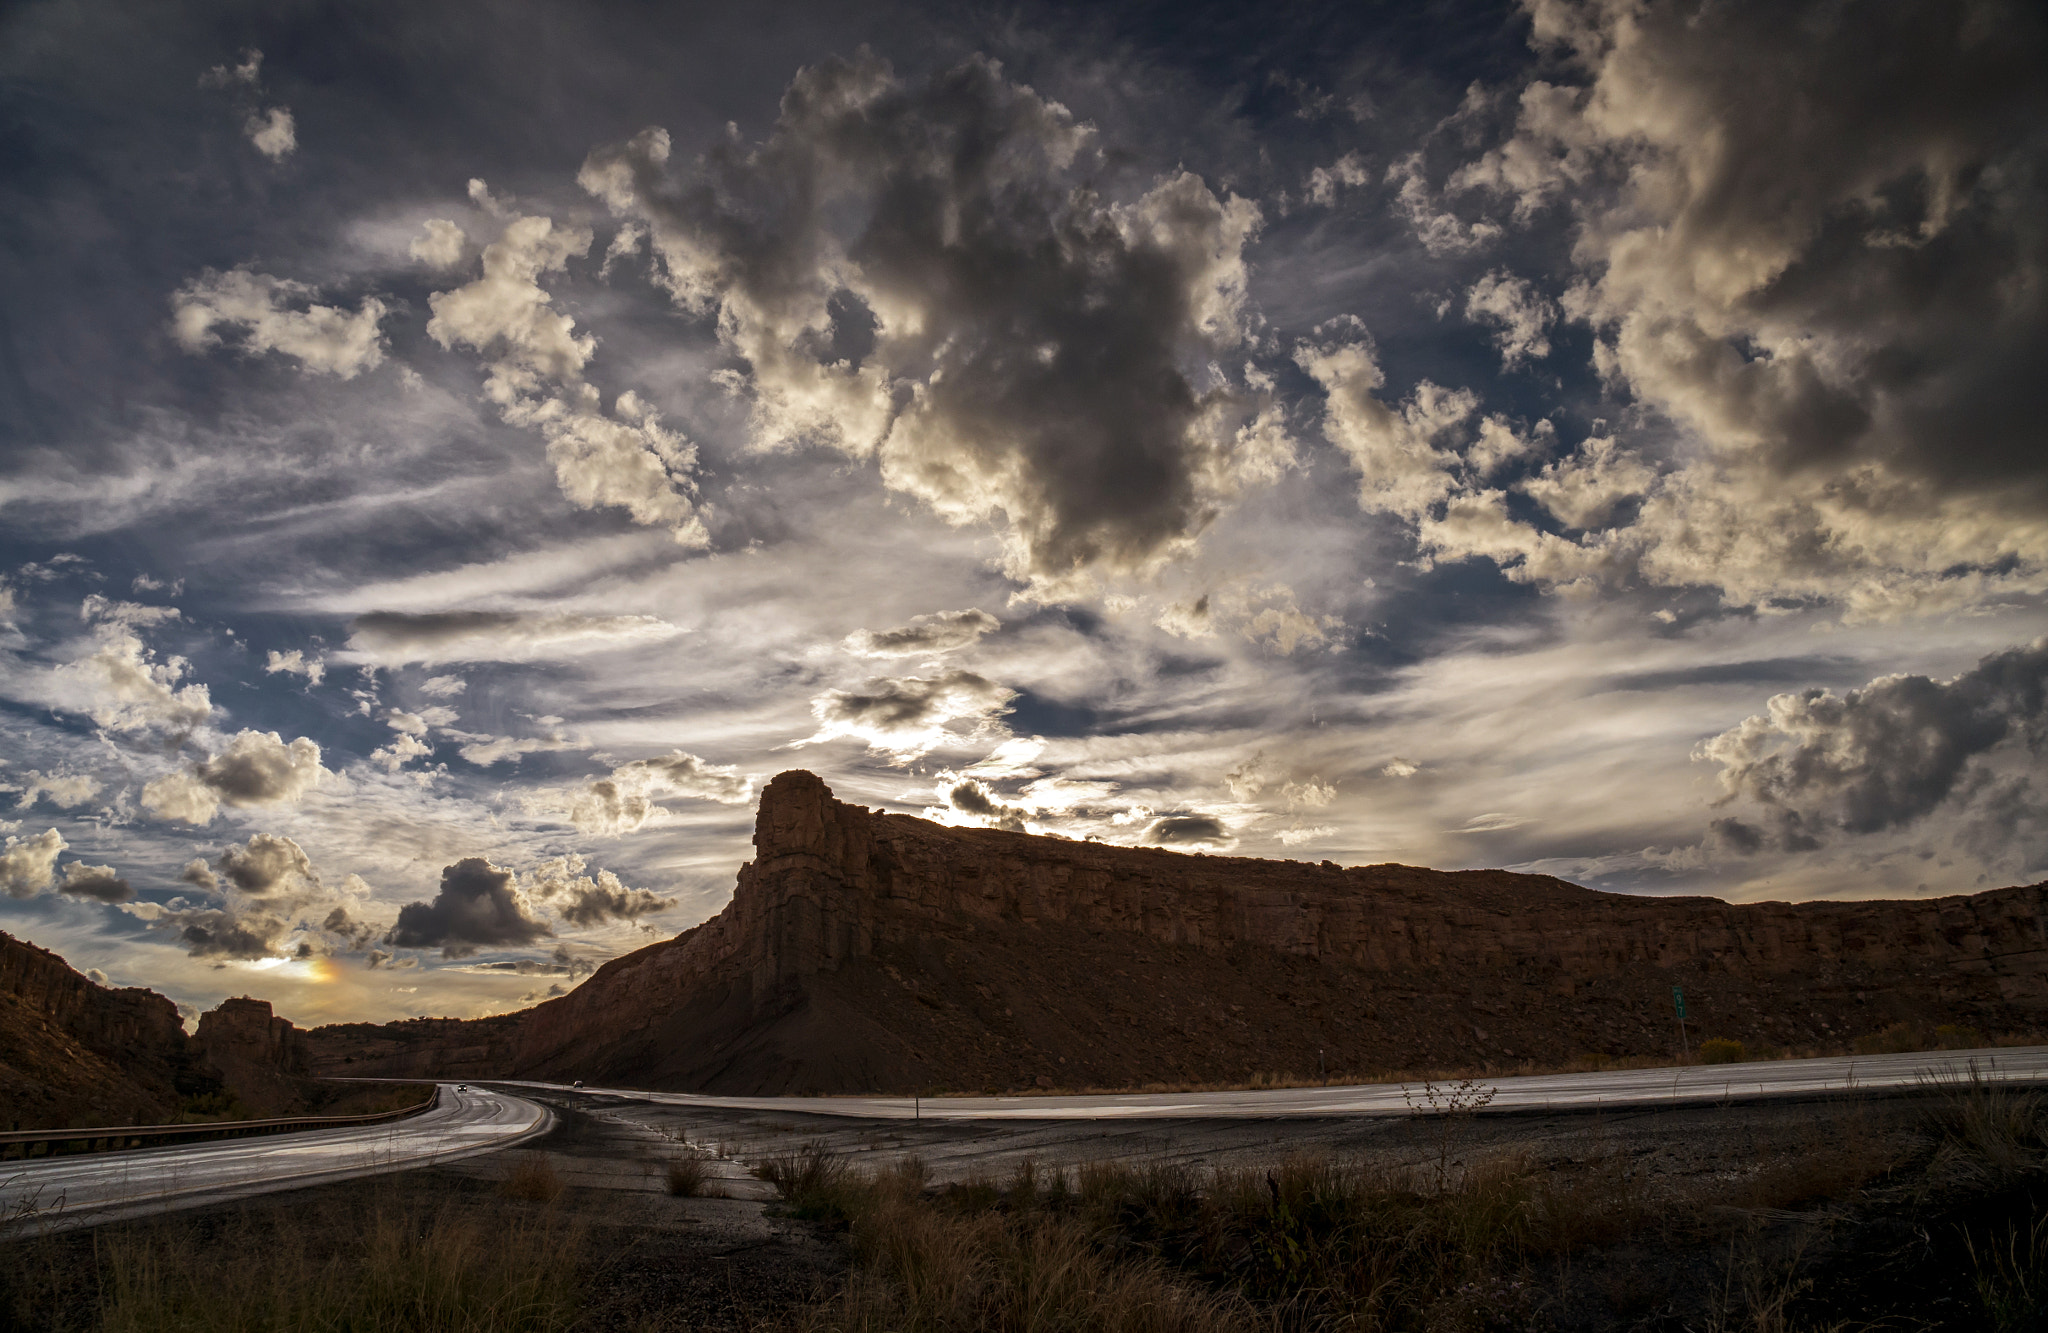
point(816, 1185)
point(687, 1174)
point(532, 1178)
point(1954, 1037)
point(1722, 1051)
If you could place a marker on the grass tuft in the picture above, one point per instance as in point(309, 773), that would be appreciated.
point(532, 1177)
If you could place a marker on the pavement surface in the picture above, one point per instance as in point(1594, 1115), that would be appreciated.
point(59, 1193)
point(1600, 1090)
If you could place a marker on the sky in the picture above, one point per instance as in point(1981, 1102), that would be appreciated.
point(452, 456)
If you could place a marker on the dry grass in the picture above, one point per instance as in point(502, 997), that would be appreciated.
point(532, 1177)
point(687, 1174)
point(366, 1264)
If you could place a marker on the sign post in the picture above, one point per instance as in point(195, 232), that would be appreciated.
point(1678, 1003)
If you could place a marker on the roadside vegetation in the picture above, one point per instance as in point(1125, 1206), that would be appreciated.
point(374, 1261)
point(1886, 1216)
point(1448, 1243)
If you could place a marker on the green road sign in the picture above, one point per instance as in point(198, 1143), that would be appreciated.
point(1678, 999)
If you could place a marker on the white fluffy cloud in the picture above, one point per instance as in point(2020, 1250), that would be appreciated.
point(920, 273)
point(535, 358)
point(1518, 313)
point(273, 131)
point(256, 768)
point(297, 663)
point(279, 315)
point(28, 865)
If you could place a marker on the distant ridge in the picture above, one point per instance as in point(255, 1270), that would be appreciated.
point(865, 951)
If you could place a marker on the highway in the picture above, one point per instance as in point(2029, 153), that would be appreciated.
point(1612, 1088)
point(59, 1193)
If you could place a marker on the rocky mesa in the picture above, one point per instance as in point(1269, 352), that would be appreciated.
point(865, 951)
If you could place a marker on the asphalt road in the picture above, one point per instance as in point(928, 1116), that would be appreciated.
point(1692, 1084)
point(59, 1193)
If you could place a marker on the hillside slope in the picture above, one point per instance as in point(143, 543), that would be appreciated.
point(865, 951)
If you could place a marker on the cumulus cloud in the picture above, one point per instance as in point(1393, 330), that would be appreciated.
point(256, 768)
point(28, 865)
point(1324, 182)
point(64, 789)
point(1879, 757)
point(123, 685)
point(393, 638)
point(630, 797)
point(922, 273)
point(939, 632)
point(270, 129)
point(296, 663)
point(442, 245)
point(591, 900)
point(269, 901)
point(1441, 230)
point(908, 716)
point(1404, 465)
point(278, 315)
point(972, 797)
point(623, 458)
point(1836, 297)
point(99, 883)
point(1518, 313)
point(273, 131)
point(478, 906)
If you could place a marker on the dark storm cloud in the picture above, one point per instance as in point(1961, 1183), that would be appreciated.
point(98, 883)
point(1188, 831)
point(1818, 229)
point(476, 907)
point(939, 632)
point(970, 797)
point(1879, 757)
point(923, 270)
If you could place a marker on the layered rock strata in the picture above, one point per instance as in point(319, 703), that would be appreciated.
point(865, 951)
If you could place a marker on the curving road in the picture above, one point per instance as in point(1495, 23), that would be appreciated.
point(59, 1193)
point(1613, 1088)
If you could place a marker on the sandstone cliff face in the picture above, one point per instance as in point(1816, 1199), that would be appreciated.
point(864, 950)
point(76, 1053)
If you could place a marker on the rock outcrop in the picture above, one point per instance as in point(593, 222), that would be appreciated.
point(865, 951)
point(73, 1052)
point(259, 1055)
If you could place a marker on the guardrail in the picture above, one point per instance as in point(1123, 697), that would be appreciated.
point(24, 1142)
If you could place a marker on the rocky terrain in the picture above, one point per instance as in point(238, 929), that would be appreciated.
point(76, 1053)
point(865, 951)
